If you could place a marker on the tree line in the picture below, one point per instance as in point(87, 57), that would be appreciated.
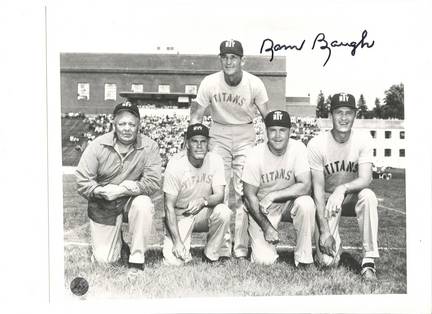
point(392, 107)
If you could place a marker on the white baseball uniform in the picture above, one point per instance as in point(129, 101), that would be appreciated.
point(189, 183)
point(339, 163)
point(232, 135)
point(269, 173)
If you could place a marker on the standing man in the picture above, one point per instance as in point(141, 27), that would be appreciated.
point(117, 173)
point(341, 164)
point(194, 187)
point(233, 96)
point(277, 184)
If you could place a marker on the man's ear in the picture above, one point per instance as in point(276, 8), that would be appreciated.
point(243, 61)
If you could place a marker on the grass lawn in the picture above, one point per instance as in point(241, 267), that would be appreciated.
point(242, 278)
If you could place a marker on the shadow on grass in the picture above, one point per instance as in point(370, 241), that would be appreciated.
point(349, 262)
point(154, 256)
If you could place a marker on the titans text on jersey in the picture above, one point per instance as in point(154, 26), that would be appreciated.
point(227, 97)
point(341, 165)
point(275, 175)
point(202, 178)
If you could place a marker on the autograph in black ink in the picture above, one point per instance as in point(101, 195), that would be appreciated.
point(320, 42)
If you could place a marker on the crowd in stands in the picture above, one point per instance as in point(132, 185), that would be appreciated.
point(168, 130)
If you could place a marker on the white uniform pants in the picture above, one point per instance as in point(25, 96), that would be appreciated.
point(214, 220)
point(301, 212)
point(106, 239)
point(364, 206)
point(232, 142)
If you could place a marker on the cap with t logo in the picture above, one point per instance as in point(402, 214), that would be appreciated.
point(127, 106)
point(231, 46)
point(197, 129)
point(342, 100)
point(278, 118)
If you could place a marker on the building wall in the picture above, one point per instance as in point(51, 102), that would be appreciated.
point(380, 143)
point(151, 70)
point(300, 107)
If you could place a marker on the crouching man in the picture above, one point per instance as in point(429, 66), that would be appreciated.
point(117, 173)
point(194, 186)
point(277, 184)
point(341, 163)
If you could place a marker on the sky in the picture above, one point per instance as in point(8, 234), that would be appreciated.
point(191, 28)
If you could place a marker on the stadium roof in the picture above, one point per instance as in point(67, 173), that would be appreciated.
point(163, 63)
point(158, 96)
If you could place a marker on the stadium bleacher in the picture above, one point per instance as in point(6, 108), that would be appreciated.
point(167, 130)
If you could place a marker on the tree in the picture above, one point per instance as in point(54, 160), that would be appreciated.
point(362, 109)
point(377, 110)
point(321, 109)
point(394, 102)
point(327, 104)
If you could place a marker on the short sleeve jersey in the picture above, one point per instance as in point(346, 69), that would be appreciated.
point(339, 161)
point(232, 104)
point(189, 183)
point(270, 172)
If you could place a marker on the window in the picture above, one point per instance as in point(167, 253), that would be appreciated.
point(402, 152)
point(402, 135)
point(191, 89)
point(387, 134)
point(110, 91)
point(163, 88)
point(137, 88)
point(374, 152)
point(387, 152)
point(373, 133)
point(83, 91)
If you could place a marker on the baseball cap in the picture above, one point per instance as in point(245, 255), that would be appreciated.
point(127, 106)
point(197, 129)
point(342, 100)
point(231, 46)
point(278, 118)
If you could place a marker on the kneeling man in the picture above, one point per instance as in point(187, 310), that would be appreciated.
point(117, 173)
point(277, 184)
point(194, 186)
point(341, 163)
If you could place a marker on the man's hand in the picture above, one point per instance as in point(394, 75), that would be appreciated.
point(327, 244)
point(109, 192)
point(271, 235)
point(265, 203)
point(179, 251)
point(130, 186)
point(334, 203)
point(194, 207)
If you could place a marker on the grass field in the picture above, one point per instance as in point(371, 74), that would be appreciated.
point(242, 278)
point(73, 127)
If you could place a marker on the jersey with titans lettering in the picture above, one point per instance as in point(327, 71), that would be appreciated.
point(339, 161)
point(269, 172)
point(189, 183)
point(232, 104)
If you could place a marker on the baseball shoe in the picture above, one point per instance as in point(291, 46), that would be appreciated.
point(205, 259)
point(242, 258)
point(224, 259)
point(368, 272)
point(135, 269)
point(304, 266)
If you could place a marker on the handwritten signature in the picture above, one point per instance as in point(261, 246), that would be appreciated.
point(320, 42)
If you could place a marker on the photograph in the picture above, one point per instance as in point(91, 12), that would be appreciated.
point(227, 156)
